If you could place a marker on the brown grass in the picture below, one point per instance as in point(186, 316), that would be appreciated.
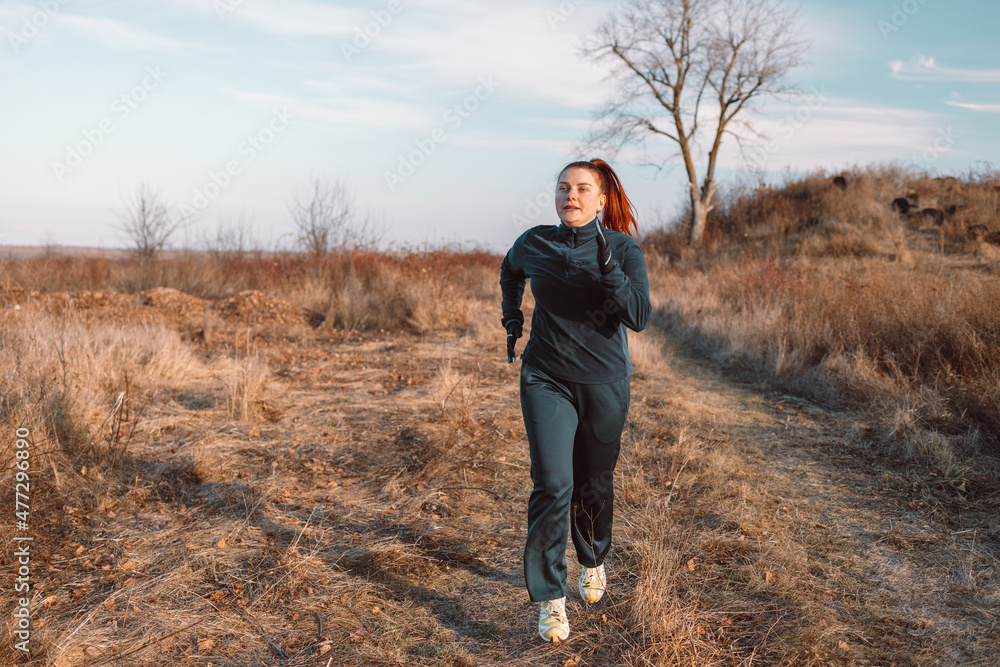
point(354, 493)
point(417, 290)
point(855, 305)
point(134, 420)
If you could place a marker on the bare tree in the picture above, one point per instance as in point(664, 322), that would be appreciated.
point(233, 240)
point(322, 216)
point(670, 56)
point(148, 221)
point(325, 219)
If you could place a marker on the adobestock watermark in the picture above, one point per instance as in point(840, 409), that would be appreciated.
point(453, 117)
point(248, 150)
point(595, 490)
point(22, 554)
point(33, 24)
point(786, 128)
point(534, 206)
point(363, 35)
point(943, 143)
point(223, 7)
point(562, 13)
point(121, 109)
point(899, 17)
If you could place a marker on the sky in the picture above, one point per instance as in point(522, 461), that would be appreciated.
point(445, 121)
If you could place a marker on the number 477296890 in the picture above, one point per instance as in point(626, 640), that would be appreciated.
point(21, 477)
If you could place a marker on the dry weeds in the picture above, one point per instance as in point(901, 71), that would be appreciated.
point(857, 304)
point(267, 492)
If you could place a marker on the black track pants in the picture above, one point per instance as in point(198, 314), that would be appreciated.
point(574, 436)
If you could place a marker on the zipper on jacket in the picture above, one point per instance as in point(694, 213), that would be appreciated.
point(569, 252)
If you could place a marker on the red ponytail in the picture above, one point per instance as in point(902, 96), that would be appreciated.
point(619, 213)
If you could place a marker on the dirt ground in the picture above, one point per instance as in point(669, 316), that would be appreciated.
point(371, 510)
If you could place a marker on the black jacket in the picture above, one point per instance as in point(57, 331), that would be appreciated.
point(578, 326)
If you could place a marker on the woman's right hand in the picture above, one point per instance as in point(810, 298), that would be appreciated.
point(513, 333)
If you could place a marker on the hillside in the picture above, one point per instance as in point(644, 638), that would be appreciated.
point(832, 288)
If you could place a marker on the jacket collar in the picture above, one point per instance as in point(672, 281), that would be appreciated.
point(580, 234)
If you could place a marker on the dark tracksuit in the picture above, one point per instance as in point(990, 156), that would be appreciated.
point(574, 387)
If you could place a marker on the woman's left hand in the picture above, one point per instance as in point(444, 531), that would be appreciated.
point(604, 261)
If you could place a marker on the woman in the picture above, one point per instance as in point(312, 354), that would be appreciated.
point(589, 284)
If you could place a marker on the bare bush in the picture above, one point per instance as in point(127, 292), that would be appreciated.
point(148, 221)
point(326, 219)
point(234, 240)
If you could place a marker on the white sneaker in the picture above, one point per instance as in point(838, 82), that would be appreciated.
point(592, 583)
point(553, 625)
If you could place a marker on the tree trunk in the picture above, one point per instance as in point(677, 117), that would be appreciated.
point(699, 215)
point(701, 204)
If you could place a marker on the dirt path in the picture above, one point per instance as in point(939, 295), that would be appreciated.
point(882, 571)
point(431, 483)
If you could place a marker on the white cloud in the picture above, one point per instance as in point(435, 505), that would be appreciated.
point(435, 45)
point(296, 17)
point(503, 140)
point(991, 108)
point(532, 59)
point(348, 112)
point(839, 132)
point(364, 82)
point(304, 18)
point(115, 34)
point(927, 69)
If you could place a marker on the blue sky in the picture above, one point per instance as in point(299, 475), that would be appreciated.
point(230, 107)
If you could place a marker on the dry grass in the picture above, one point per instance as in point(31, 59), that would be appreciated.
point(69, 380)
point(244, 381)
point(421, 291)
point(141, 426)
point(645, 351)
point(345, 495)
point(856, 304)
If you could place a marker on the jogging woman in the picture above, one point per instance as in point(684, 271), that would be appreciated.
point(589, 284)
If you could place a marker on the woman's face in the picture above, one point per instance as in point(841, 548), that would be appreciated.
point(578, 199)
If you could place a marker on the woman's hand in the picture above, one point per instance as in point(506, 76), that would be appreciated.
point(513, 333)
point(604, 261)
